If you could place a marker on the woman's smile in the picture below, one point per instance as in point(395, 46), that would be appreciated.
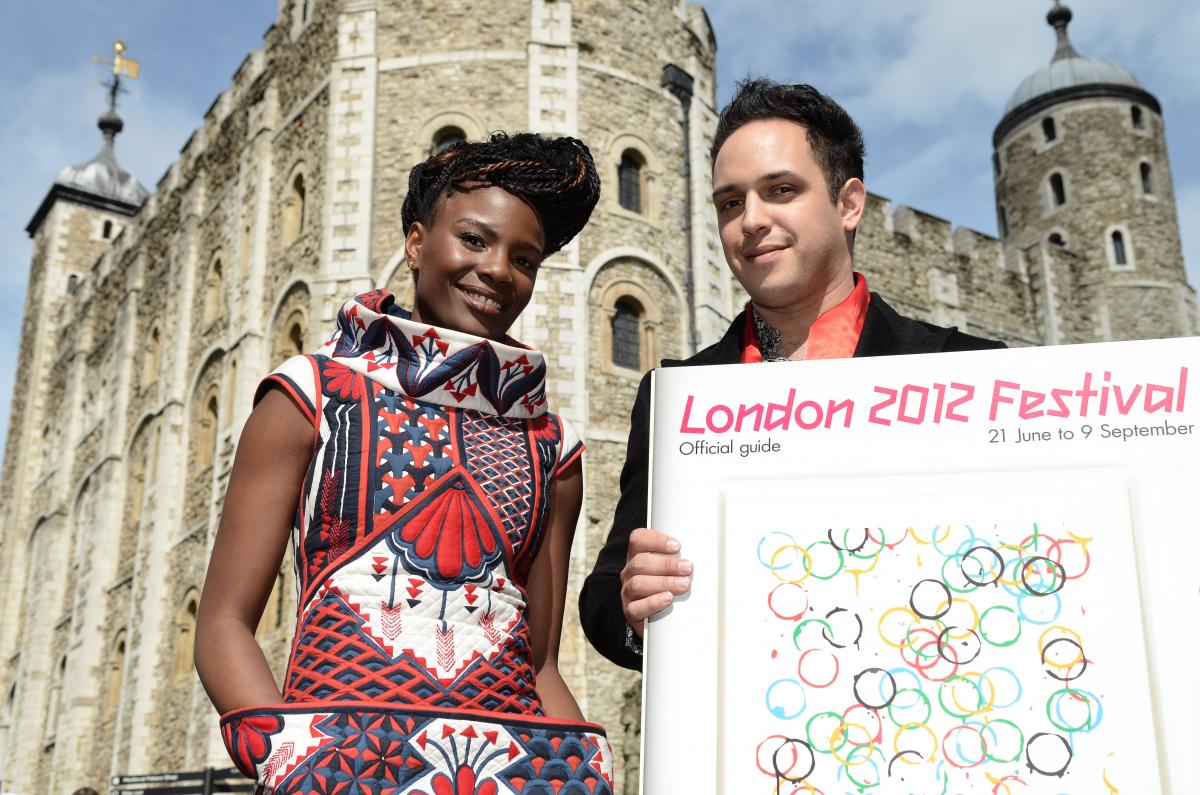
point(479, 300)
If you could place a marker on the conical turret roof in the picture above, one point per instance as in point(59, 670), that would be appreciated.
point(1068, 76)
point(103, 175)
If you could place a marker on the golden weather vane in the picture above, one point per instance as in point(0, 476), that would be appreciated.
point(121, 66)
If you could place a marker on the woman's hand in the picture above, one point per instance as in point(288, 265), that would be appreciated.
point(272, 458)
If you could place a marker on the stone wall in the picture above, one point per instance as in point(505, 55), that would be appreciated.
point(1099, 153)
point(110, 504)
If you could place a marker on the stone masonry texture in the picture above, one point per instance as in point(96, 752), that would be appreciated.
point(139, 355)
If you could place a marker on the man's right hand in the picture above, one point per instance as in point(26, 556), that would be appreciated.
point(653, 576)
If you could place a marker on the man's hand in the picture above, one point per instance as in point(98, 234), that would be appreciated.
point(653, 576)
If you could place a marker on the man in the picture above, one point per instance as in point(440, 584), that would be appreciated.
point(789, 196)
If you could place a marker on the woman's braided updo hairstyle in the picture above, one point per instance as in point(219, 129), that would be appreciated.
point(556, 176)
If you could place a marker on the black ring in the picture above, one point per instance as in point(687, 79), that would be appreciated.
point(812, 761)
point(941, 643)
point(857, 638)
point(902, 753)
point(1058, 568)
point(912, 600)
point(1034, 768)
point(999, 560)
point(859, 698)
point(1081, 656)
point(866, 538)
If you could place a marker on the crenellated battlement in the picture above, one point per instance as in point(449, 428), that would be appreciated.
point(908, 226)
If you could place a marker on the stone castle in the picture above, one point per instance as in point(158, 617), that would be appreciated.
point(150, 317)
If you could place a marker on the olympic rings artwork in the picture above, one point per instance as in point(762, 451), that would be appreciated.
point(978, 670)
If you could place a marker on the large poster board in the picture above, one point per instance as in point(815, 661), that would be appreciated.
point(954, 573)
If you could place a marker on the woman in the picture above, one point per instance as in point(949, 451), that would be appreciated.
point(437, 502)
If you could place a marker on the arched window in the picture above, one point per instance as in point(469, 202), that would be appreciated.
point(1135, 117)
point(1119, 255)
point(1048, 129)
point(1058, 189)
point(206, 442)
point(245, 251)
point(72, 283)
point(214, 293)
point(150, 357)
point(626, 334)
point(446, 137)
point(629, 181)
point(1057, 239)
point(231, 385)
point(55, 703)
point(116, 673)
point(47, 451)
point(185, 636)
point(289, 339)
point(1147, 179)
point(295, 210)
point(289, 328)
point(296, 338)
point(108, 228)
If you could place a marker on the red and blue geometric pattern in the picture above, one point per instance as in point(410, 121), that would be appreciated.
point(335, 749)
point(411, 667)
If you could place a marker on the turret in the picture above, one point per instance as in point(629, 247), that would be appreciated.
point(1081, 164)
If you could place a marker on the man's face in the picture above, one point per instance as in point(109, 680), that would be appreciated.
point(783, 237)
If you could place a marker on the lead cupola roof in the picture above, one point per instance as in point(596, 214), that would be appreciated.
point(1068, 76)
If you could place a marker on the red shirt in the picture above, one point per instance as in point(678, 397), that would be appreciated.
point(834, 335)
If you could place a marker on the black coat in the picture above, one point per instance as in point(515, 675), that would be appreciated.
point(885, 332)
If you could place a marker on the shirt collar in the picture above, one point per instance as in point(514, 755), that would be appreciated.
point(833, 335)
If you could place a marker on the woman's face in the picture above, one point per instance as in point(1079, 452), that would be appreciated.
point(476, 261)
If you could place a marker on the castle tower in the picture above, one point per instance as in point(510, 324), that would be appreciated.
point(1081, 166)
point(138, 373)
point(85, 209)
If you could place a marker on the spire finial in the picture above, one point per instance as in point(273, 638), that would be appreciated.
point(1059, 17)
point(110, 123)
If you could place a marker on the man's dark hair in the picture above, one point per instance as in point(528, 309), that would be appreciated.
point(556, 176)
point(836, 141)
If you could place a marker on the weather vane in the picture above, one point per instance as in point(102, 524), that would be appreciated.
point(120, 66)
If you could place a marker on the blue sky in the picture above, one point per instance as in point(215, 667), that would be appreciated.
point(926, 79)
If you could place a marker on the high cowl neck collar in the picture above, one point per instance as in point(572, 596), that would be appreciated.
point(382, 341)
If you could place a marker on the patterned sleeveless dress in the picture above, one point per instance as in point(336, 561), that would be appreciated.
point(418, 522)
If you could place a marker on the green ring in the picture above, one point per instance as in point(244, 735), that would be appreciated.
point(841, 559)
point(942, 704)
point(872, 556)
point(848, 768)
point(998, 644)
point(1087, 727)
point(916, 651)
point(800, 627)
point(808, 733)
point(1020, 744)
point(925, 698)
point(946, 581)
